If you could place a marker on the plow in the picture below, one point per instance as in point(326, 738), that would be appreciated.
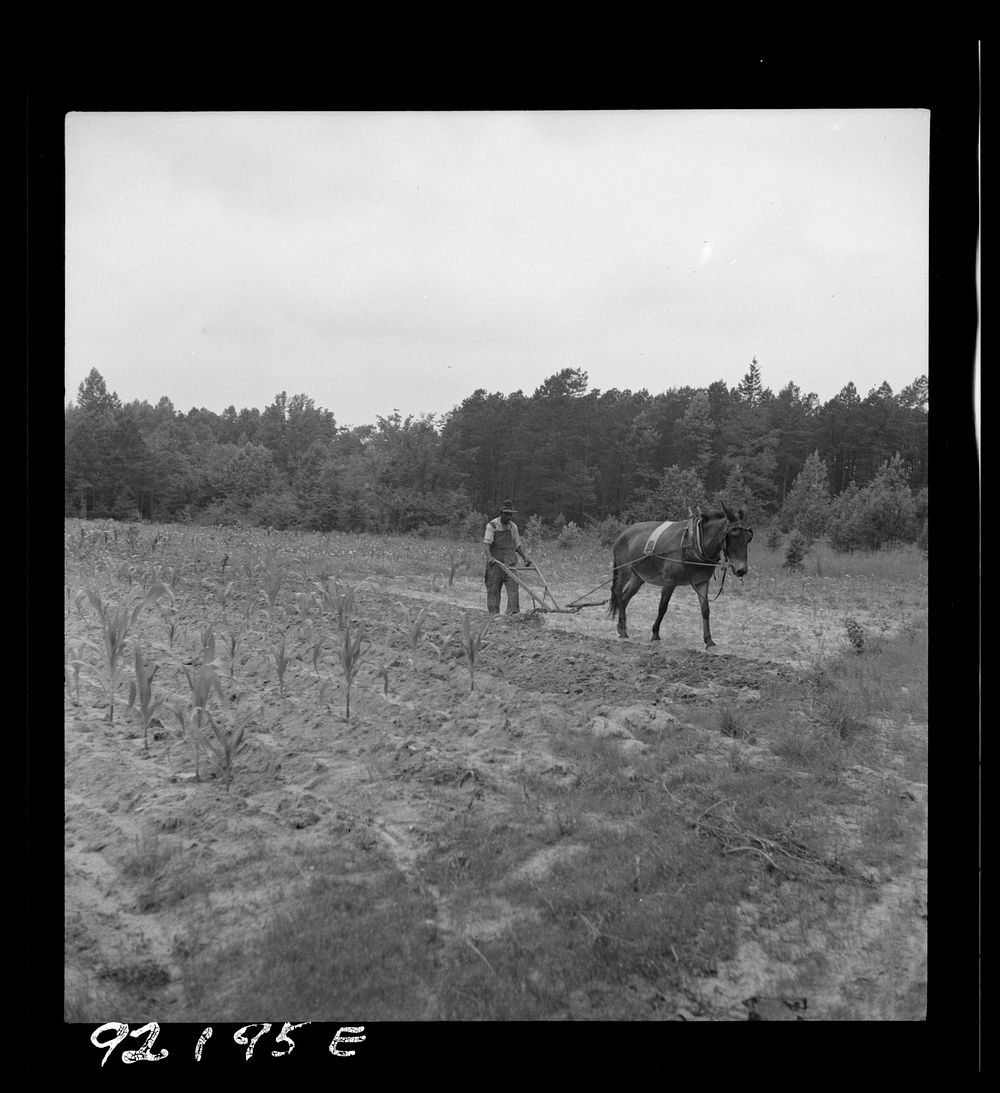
point(543, 599)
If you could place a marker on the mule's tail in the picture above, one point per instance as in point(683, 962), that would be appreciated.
point(615, 603)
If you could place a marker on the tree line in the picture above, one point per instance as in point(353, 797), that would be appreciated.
point(566, 454)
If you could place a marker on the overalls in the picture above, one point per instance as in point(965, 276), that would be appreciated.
point(502, 548)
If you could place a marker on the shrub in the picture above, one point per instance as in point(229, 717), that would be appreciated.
point(608, 530)
point(796, 550)
point(533, 529)
point(883, 513)
point(773, 536)
point(678, 490)
point(469, 525)
point(922, 539)
point(277, 508)
point(216, 514)
point(569, 536)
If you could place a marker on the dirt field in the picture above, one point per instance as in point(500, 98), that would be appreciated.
point(163, 868)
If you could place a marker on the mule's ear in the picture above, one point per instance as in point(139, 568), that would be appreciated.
point(742, 514)
point(730, 515)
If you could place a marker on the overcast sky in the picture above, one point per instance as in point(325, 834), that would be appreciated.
point(381, 261)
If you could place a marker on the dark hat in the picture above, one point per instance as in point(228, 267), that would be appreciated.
point(508, 506)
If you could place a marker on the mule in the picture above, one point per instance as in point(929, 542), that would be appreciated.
point(678, 552)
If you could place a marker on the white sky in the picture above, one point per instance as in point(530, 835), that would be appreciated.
point(380, 261)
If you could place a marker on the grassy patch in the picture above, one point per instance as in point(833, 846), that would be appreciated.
point(340, 949)
point(847, 701)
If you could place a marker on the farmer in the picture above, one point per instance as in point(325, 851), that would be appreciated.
point(502, 543)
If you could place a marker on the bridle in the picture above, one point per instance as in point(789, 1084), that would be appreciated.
point(704, 556)
point(706, 559)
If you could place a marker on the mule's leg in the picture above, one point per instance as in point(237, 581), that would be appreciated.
point(668, 591)
point(629, 589)
point(702, 590)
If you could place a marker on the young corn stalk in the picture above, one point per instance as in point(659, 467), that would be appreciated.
point(170, 618)
point(386, 662)
point(303, 604)
point(201, 683)
point(207, 635)
point(230, 639)
point(219, 590)
point(73, 662)
point(226, 745)
point(281, 663)
point(350, 658)
point(413, 628)
point(316, 647)
point(336, 600)
point(142, 688)
point(472, 642)
point(274, 575)
point(115, 622)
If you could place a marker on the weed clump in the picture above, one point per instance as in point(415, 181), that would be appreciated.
point(731, 724)
point(855, 635)
point(796, 550)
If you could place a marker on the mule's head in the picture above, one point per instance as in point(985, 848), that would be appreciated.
point(738, 537)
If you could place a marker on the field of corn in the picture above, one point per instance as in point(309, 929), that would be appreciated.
point(308, 778)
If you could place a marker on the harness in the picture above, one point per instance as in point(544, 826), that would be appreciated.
point(692, 548)
point(692, 542)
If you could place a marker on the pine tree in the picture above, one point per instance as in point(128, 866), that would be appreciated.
point(808, 504)
point(750, 389)
point(93, 396)
point(695, 432)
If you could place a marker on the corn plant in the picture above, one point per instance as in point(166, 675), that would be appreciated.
point(116, 620)
point(201, 683)
point(316, 647)
point(303, 603)
point(142, 688)
point(219, 590)
point(73, 662)
point(170, 616)
point(350, 658)
point(207, 636)
point(223, 746)
point(471, 644)
point(413, 627)
point(274, 574)
point(336, 600)
point(386, 662)
point(281, 663)
point(231, 640)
